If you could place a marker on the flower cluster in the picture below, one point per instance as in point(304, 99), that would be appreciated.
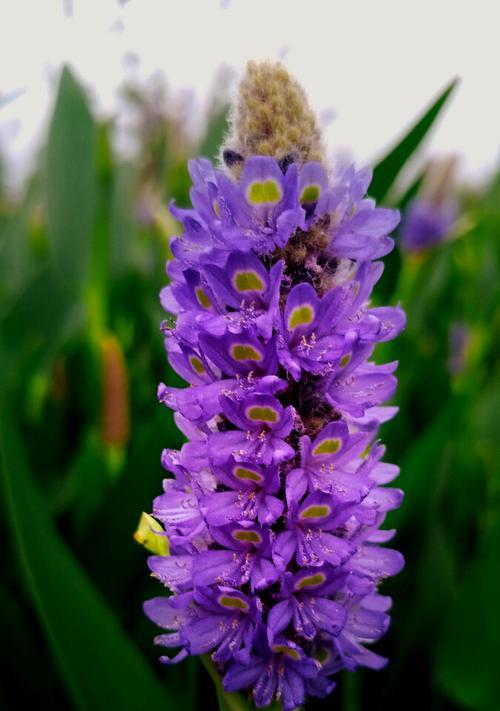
point(274, 506)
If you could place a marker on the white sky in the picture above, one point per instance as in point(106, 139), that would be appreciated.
point(374, 63)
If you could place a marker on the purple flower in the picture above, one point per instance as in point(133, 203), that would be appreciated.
point(274, 507)
point(280, 670)
point(307, 604)
point(223, 619)
point(426, 224)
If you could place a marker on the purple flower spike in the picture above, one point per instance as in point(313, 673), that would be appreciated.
point(274, 507)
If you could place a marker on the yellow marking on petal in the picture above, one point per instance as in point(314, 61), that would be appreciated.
point(311, 581)
point(151, 535)
point(316, 511)
point(232, 602)
point(243, 351)
point(310, 194)
point(322, 655)
point(203, 299)
point(247, 474)
point(247, 536)
point(248, 281)
point(265, 192)
point(328, 446)
point(288, 651)
point(300, 316)
point(216, 207)
point(345, 360)
point(197, 365)
point(262, 414)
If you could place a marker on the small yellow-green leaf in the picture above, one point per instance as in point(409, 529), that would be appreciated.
point(151, 535)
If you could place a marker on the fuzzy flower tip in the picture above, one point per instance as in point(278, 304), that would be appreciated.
point(273, 508)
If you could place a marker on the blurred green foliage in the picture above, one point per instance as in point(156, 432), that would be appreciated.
point(82, 256)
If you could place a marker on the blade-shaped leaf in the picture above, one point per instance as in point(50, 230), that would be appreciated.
point(99, 665)
point(71, 182)
point(387, 170)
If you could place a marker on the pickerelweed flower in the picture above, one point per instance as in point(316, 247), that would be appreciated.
point(273, 508)
point(429, 218)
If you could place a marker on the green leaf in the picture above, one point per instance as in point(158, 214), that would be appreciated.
point(228, 701)
point(422, 463)
point(34, 327)
point(85, 484)
point(469, 645)
point(114, 526)
point(387, 170)
point(71, 182)
point(99, 665)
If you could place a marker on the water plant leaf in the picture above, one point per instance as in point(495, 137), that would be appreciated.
point(98, 663)
point(388, 169)
point(71, 183)
point(469, 643)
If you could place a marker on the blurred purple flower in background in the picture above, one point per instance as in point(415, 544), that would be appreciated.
point(429, 218)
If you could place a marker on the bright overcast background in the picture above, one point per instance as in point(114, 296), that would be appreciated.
point(373, 65)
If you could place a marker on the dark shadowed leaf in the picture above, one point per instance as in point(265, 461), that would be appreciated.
point(468, 651)
point(387, 170)
point(34, 327)
point(228, 701)
point(98, 663)
point(421, 464)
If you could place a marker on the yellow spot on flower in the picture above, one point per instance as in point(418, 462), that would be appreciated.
point(247, 536)
point(322, 655)
point(310, 581)
point(197, 365)
point(233, 602)
point(247, 474)
point(248, 281)
point(203, 299)
point(262, 414)
point(328, 446)
point(310, 194)
point(288, 651)
point(264, 193)
point(242, 351)
point(345, 360)
point(216, 207)
point(317, 511)
point(151, 535)
point(300, 316)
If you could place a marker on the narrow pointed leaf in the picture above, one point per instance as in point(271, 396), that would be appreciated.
point(387, 170)
point(71, 182)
